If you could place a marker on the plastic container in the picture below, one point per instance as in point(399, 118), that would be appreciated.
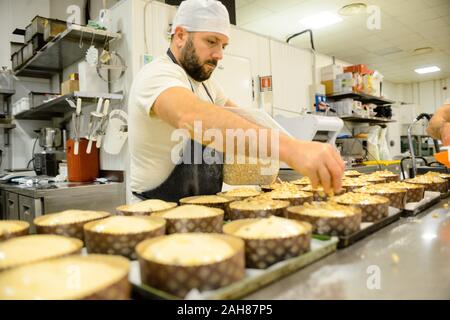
point(82, 167)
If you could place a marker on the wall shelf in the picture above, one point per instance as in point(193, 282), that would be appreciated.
point(56, 108)
point(7, 126)
point(364, 98)
point(359, 119)
point(7, 92)
point(63, 51)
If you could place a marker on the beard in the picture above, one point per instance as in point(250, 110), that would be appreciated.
point(190, 62)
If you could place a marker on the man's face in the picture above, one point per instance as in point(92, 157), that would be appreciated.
point(201, 53)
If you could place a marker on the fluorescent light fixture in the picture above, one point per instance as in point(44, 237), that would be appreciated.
point(320, 20)
point(427, 70)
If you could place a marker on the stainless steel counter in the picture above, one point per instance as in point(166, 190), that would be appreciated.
point(44, 190)
point(409, 259)
point(27, 202)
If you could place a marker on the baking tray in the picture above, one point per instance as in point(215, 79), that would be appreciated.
point(254, 278)
point(430, 199)
point(445, 195)
point(367, 228)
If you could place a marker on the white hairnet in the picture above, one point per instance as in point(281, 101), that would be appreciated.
point(202, 15)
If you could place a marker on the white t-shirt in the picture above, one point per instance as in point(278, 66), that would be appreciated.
point(150, 137)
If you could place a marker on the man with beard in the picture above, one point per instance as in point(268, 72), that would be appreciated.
point(175, 90)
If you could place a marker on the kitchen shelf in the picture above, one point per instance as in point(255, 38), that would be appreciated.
point(7, 92)
point(364, 98)
point(59, 106)
point(360, 119)
point(7, 126)
point(63, 51)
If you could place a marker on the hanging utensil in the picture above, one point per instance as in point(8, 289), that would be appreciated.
point(94, 122)
point(103, 124)
point(76, 121)
point(77, 126)
point(116, 133)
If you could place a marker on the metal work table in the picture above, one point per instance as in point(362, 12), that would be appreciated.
point(410, 258)
point(60, 188)
point(22, 202)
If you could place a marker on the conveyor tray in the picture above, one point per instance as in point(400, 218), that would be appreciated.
point(429, 200)
point(367, 228)
point(254, 279)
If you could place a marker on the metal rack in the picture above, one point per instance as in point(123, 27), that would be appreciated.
point(58, 107)
point(7, 93)
point(64, 50)
point(364, 98)
point(360, 119)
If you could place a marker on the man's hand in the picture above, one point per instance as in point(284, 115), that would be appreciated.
point(319, 161)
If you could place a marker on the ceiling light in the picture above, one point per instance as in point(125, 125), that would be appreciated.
point(352, 9)
point(423, 50)
point(427, 70)
point(320, 20)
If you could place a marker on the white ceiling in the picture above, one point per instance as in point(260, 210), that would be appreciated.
point(405, 26)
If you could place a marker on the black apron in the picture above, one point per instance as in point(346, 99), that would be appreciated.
point(189, 179)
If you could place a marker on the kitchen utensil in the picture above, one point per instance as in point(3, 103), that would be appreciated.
point(116, 133)
point(96, 122)
point(103, 124)
point(76, 122)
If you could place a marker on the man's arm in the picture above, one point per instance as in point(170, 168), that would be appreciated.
point(320, 162)
point(439, 126)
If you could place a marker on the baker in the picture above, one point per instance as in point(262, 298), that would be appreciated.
point(175, 90)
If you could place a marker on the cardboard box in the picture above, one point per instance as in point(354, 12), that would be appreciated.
point(329, 86)
point(330, 72)
point(70, 86)
point(358, 68)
